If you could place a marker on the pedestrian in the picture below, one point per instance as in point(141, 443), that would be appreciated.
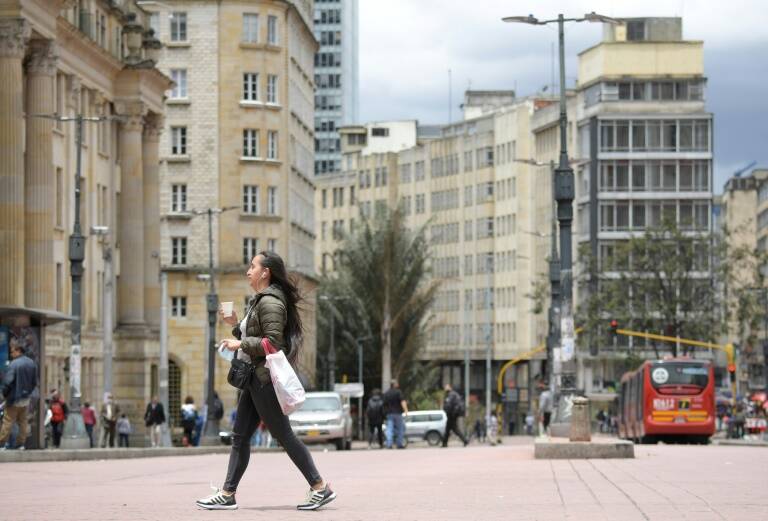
point(109, 414)
point(188, 421)
point(272, 315)
point(200, 420)
point(395, 407)
point(19, 382)
point(739, 419)
point(529, 420)
point(89, 419)
point(123, 430)
point(492, 428)
point(154, 418)
point(59, 412)
point(545, 407)
point(374, 411)
point(454, 407)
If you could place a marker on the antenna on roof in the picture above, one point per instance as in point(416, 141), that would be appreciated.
point(738, 173)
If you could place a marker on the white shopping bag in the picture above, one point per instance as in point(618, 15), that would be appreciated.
point(288, 388)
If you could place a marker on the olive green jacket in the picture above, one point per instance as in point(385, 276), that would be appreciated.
point(267, 319)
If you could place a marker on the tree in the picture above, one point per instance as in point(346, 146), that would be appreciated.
point(383, 270)
point(670, 281)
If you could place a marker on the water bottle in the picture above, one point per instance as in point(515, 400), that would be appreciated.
point(225, 353)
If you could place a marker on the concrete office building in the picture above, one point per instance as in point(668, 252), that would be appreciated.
point(238, 136)
point(473, 181)
point(336, 79)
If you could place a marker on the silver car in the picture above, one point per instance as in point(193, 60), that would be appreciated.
point(426, 425)
point(324, 418)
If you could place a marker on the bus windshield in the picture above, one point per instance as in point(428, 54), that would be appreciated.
point(679, 373)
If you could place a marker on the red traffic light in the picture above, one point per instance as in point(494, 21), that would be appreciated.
point(614, 324)
point(731, 368)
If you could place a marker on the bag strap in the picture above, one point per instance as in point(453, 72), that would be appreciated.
point(267, 346)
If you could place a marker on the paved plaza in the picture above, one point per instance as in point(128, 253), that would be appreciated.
point(664, 482)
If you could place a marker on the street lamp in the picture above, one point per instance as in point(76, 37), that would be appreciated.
point(211, 433)
point(332, 349)
point(359, 343)
point(564, 183)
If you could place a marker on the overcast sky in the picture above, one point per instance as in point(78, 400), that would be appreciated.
point(407, 47)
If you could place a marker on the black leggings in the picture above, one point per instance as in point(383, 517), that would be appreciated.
point(259, 403)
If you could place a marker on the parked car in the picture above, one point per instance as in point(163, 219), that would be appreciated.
point(324, 418)
point(426, 425)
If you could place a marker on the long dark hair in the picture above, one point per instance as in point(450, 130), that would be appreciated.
point(293, 333)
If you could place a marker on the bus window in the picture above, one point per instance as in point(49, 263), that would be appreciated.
point(679, 373)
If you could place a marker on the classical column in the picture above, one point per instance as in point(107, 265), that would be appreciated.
point(14, 34)
point(131, 218)
point(39, 187)
point(153, 125)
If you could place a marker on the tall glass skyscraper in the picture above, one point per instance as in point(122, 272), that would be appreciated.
point(336, 79)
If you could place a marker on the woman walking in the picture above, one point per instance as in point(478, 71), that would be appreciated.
point(272, 314)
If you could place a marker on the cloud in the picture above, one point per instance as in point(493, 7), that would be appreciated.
point(407, 47)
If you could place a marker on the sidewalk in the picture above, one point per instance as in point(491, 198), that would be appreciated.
point(664, 483)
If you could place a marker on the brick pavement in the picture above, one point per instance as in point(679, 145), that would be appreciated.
point(664, 482)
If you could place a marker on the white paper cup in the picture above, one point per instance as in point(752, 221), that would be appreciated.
point(227, 308)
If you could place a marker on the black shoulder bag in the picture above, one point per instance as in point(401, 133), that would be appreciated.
point(240, 372)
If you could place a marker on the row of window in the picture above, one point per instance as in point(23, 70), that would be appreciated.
point(250, 249)
point(251, 143)
point(251, 87)
point(328, 16)
point(639, 215)
point(444, 200)
point(667, 135)
point(762, 220)
point(328, 59)
point(608, 256)
point(179, 27)
point(337, 229)
point(328, 81)
point(450, 335)
point(654, 176)
point(484, 298)
point(251, 199)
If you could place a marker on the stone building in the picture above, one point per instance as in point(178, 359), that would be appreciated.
point(94, 58)
point(239, 136)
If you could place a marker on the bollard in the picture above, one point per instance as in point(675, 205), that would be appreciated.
point(580, 428)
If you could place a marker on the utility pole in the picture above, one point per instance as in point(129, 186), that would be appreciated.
point(332, 347)
point(162, 369)
point(211, 432)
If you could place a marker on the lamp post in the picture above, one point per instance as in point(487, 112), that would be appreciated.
point(564, 195)
point(211, 432)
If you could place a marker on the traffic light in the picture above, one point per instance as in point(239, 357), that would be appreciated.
point(614, 328)
point(730, 353)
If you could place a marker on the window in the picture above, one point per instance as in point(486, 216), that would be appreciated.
point(635, 30)
point(272, 244)
point(272, 200)
point(380, 132)
point(405, 173)
point(271, 88)
point(421, 205)
point(250, 249)
point(250, 143)
point(325, 198)
point(250, 28)
point(179, 307)
point(272, 30)
point(178, 27)
point(179, 198)
point(178, 141)
point(251, 199)
point(485, 227)
point(250, 86)
point(59, 197)
point(178, 251)
point(179, 77)
point(272, 144)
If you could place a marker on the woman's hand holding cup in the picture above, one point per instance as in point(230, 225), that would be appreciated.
point(227, 313)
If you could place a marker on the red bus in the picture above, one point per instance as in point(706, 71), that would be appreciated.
point(668, 400)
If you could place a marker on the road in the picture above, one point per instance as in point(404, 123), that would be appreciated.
point(664, 482)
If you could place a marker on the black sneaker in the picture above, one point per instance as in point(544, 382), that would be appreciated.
point(218, 501)
point(317, 498)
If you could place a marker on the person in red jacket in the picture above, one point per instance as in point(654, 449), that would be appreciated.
point(59, 411)
point(89, 419)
